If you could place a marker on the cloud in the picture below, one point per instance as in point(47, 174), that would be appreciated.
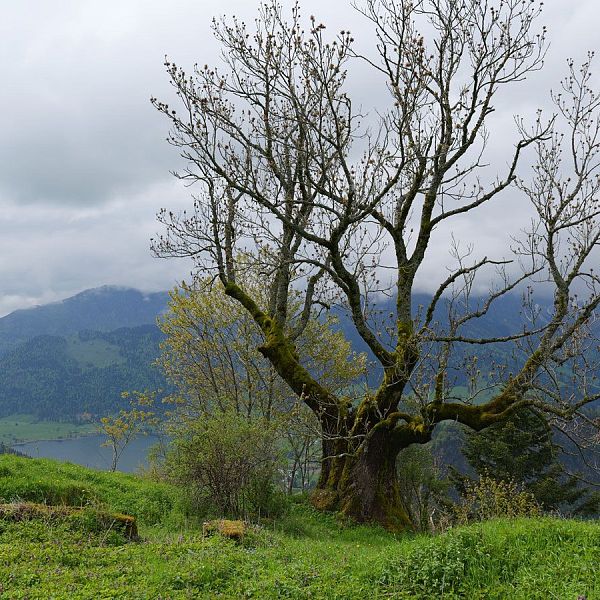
point(83, 161)
point(57, 251)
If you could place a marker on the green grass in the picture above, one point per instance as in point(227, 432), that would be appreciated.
point(26, 428)
point(303, 555)
point(53, 482)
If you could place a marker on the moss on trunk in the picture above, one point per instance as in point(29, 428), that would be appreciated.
point(364, 485)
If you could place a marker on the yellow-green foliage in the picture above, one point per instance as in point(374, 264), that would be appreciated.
point(211, 353)
point(122, 428)
point(489, 498)
point(234, 530)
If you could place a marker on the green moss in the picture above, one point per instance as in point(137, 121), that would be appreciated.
point(91, 519)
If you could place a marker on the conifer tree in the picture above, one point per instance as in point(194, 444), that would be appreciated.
point(522, 449)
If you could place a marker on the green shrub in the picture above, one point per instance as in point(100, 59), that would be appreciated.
point(227, 465)
point(520, 559)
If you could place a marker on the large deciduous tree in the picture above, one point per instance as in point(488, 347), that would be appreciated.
point(333, 201)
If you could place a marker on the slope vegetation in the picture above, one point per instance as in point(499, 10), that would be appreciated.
point(59, 378)
point(303, 555)
point(100, 309)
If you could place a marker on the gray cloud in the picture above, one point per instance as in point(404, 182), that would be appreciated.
point(83, 162)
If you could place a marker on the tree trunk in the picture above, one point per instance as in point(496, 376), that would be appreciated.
point(363, 485)
point(115, 458)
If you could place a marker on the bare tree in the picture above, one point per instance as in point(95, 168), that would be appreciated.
point(331, 201)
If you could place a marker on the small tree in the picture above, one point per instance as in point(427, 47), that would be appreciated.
point(423, 488)
point(302, 442)
point(121, 429)
point(210, 355)
point(489, 498)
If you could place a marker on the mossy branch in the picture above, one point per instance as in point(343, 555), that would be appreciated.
point(282, 354)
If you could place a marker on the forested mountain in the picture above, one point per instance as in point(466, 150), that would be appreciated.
point(62, 378)
point(100, 309)
point(505, 317)
point(68, 358)
point(76, 356)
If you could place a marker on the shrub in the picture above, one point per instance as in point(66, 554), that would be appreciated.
point(227, 463)
point(489, 498)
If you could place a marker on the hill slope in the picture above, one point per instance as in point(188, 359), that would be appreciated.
point(302, 555)
point(59, 378)
point(101, 309)
point(76, 356)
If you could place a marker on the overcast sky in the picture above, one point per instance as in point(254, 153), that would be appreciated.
point(83, 162)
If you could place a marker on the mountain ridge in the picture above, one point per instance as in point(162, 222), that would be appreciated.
point(104, 308)
point(76, 355)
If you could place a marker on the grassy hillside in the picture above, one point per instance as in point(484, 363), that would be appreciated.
point(52, 482)
point(57, 378)
point(303, 555)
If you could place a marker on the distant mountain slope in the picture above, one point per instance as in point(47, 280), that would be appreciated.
point(63, 359)
point(60, 378)
point(504, 317)
point(101, 309)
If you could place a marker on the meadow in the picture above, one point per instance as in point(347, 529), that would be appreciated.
point(304, 554)
point(28, 428)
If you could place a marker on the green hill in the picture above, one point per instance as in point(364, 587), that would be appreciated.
point(62, 360)
point(59, 378)
point(303, 555)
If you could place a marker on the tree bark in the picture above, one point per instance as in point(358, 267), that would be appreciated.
point(363, 485)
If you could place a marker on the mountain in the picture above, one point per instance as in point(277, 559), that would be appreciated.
point(504, 315)
point(504, 318)
point(62, 378)
point(76, 356)
point(100, 309)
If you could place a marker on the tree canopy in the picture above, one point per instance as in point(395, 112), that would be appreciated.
point(337, 205)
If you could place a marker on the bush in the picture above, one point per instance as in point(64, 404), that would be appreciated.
point(228, 464)
point(489, 498)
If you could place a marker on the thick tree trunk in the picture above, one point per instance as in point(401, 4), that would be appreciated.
point(363, 485)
